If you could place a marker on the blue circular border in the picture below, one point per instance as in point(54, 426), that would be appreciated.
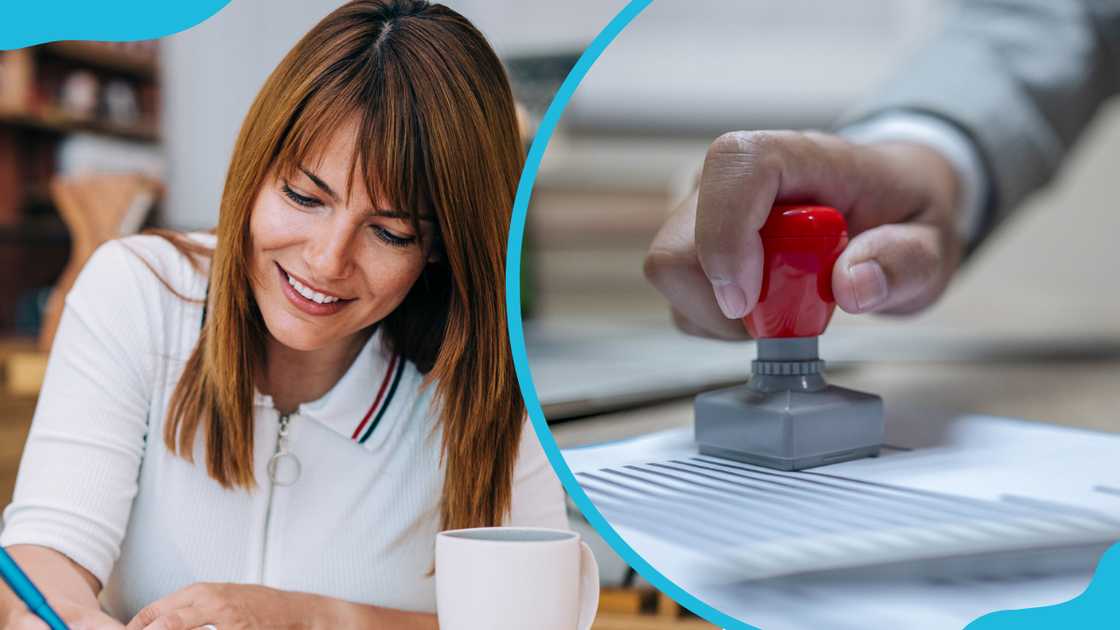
point(517, 333)
point(1091, 605)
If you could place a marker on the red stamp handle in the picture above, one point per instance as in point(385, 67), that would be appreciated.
point(800, 246)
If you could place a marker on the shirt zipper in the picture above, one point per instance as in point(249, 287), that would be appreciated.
point(276, 477)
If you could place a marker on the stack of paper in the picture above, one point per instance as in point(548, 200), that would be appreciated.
point(952, 501)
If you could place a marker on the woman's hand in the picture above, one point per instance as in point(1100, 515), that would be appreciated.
point(76, 618)
point(226, 607)
point(899, 200)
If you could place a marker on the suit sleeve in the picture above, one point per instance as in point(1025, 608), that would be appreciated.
point(78, 475)
point(1021, 78)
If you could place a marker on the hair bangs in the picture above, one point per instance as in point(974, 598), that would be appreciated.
point(389, 153)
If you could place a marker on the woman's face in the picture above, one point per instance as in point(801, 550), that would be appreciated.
point(328, 262)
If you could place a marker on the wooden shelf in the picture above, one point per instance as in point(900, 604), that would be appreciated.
point(16, 344)
point(16, 411)
point(108, 58)
point(15, 422)
point(21, 367)
point(34, 132)
point(23, 374)
point(61, 123)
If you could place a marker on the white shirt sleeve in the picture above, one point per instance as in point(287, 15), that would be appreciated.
point(538, 497)
point(947, 140)
point(78, 475)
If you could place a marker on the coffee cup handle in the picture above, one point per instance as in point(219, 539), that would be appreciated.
point(588, 587)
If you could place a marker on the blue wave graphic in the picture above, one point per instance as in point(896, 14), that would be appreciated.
point(517, 332)
point(34, 22)
point(1097, 607)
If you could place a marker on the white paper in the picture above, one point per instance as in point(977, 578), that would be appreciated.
point(977, 514)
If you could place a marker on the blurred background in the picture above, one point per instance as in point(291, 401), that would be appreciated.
point(633, 137)
point(102, 139)
point(1040, 296)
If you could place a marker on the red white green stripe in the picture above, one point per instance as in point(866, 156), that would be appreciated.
point(384, 397)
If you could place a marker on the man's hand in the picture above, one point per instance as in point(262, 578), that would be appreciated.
point(898, 199)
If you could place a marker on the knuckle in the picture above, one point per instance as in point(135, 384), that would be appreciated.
point(766, 150)
point(759, 140)
point(743, 143)
point(666, 269)
point(730, 142)
point(656, 265)
point(738, 157)
point(202, 592)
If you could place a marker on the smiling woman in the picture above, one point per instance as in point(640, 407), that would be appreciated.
point(317, 253)
point(268, 425)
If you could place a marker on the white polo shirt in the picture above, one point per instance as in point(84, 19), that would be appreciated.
point(97, 484)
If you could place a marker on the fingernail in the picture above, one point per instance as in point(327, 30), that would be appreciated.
point(869, 284)
point(732, 301)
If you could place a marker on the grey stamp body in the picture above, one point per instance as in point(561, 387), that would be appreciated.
point(787, 417)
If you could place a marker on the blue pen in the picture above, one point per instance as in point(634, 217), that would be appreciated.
point(25, 590)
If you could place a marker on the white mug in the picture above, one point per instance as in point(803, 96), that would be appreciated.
point(513, 578)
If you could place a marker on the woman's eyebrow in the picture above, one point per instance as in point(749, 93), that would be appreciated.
point(320, 183)
point(381, 212)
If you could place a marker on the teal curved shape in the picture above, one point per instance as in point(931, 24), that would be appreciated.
point(1097, 607)
point(517, 332)
point(32, 22)
point(1090, 610)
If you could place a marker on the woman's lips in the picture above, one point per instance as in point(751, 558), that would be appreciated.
point(311, 307)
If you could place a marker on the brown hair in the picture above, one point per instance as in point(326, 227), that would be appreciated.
point(438, 134)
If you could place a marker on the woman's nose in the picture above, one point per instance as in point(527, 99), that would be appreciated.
point(330, 251)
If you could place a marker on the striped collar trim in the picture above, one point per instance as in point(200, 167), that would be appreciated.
point(364, 398)
point(382, 401)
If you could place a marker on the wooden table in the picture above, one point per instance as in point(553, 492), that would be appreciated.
point(647, 622)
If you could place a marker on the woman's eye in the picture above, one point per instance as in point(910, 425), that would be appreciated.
point(302, 200)
point(396, 240)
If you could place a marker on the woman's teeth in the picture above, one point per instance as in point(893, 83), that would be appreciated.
point(314, 296)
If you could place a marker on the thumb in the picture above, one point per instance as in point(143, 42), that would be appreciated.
point(894, 268)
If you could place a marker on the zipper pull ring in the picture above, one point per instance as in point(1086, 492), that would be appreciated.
point(284, 467)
